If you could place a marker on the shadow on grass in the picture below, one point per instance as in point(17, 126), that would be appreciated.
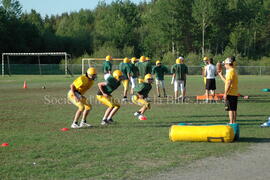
point(133, 125)
point(253, 115)
point(254, 140)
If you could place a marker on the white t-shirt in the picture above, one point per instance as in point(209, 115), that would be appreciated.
point(210, 71)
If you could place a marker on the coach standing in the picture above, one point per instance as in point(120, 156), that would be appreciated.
point(231, 89)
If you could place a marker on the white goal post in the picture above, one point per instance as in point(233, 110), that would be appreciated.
point(91, 61)
point(66, 55)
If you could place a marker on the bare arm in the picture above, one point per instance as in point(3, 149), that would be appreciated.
point(100, 85)
point(173, 78)
point(222, 77)
point(140, 96)
point(73, 89)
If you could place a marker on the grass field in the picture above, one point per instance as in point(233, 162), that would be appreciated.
point(31, 120)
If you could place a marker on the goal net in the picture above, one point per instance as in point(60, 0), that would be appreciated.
point(38, 67)
point(98, 64)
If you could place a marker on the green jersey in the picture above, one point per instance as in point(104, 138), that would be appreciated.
point(160, 72)
point(125, 68)
point(107, 66)
point(148, 67)
point(180, 71)
point(142, 69)
point(143, 89)
point(134, 70)
point(112, 84)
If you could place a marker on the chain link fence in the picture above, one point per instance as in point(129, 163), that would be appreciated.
point(59, 69)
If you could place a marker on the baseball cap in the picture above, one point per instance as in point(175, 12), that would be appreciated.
point(181, 58)
point(228, 61)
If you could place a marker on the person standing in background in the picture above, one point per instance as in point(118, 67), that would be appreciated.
point(107, 67)
point(179, 77)
point(134, 74)
point(210, 73)
point(160, 71)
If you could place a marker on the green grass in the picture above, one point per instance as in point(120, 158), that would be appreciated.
point(129, 149)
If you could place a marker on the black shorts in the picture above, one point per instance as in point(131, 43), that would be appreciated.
point(231, 103)
point(210, 84)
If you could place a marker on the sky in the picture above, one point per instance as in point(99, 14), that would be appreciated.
point(53, 7)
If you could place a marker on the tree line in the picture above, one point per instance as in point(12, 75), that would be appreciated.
point(160, 29)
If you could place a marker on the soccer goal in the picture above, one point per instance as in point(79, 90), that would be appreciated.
point(6, 56)
point(97, 63)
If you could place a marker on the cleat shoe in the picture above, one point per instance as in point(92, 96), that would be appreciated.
point(137, 114)
point(148, 99)
point(104, 122)
point(142, 117)
point(110, 121)
point(266, 124)
point(75, 126)
point(84, 124)
point(124, 99)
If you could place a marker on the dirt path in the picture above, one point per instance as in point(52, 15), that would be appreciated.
point(253, 164)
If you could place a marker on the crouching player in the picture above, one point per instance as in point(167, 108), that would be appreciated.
point(141, 93)
point(75, 95)
point(105, 97)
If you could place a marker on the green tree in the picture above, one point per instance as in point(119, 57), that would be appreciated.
point(12, 7)
point(168, 25)
point(203, 11)
point(116, 24)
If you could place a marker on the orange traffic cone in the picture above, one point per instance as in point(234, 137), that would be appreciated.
point(24, 85)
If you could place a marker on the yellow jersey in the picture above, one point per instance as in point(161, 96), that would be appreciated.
point(83, 83)
point(231, 74)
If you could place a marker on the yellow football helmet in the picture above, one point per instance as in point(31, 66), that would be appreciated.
point(142, 59)
point(205, 58)
point(147, 77)
point(91, 71)
point(177, 61)
point(158, 62)
point(147, 59)
point(126, 60)
point(134, 59)
point(108, 58)
point(117, 74)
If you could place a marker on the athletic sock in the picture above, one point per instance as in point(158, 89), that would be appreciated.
point(84, 121)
